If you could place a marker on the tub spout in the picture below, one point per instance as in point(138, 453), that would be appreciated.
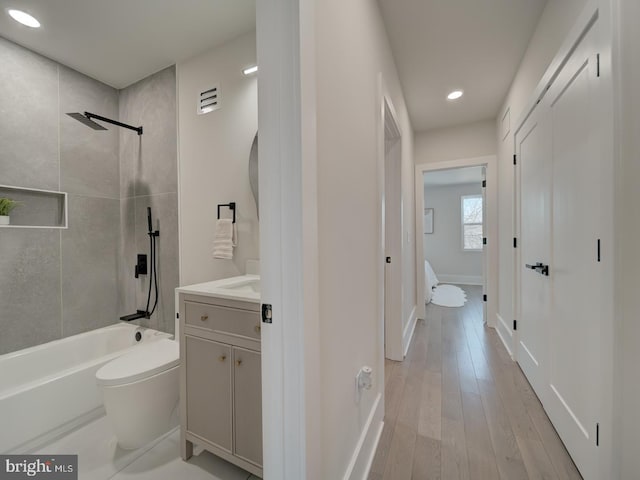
point(135, 316)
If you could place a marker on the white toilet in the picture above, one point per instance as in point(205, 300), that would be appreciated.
point(140, 392)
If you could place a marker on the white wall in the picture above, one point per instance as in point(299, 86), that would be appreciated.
point(443, 248)
point(627, 232)
point(214, 157)
point(555, 22)
point(351, 50)
point(451, 143)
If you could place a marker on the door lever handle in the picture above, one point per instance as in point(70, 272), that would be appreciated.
point(539, 267)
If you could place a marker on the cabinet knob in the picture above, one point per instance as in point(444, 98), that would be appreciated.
point(222, 358)
point(257, 328)
point(204, 317)
point(238, 362)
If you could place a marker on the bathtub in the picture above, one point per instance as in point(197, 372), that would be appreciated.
point(49, 389)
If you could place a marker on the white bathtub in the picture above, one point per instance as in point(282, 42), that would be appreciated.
point(48, 389)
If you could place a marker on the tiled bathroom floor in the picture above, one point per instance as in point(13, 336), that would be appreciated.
point(99, 458)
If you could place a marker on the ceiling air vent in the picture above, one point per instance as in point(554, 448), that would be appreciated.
point(209, 100)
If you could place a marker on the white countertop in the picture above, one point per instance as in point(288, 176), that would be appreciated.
point(243, 287)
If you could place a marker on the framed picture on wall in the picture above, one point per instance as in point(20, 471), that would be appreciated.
point(428, 220)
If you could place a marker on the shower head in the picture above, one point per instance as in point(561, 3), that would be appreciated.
point(87, 121)
point(86, 118)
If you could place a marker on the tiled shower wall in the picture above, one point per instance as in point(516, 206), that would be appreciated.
point(56, 283)
point(149, 178)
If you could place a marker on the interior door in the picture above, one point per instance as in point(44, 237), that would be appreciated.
point(533, 153)
point(485, 265)
point(561, 221)
point(393, 248)
point(576, 277)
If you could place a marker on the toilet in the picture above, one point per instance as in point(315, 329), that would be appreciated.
point(140, 392)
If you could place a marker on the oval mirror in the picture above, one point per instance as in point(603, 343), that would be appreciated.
point(253, 172)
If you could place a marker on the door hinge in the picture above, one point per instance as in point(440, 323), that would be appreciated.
point(597, 434)
point(484, 297)
point(484, 184)
point(177, 315)
point(597, 65)
point(514, 159)
point(267, 313)
point(484, 240)
point(388, 259)
point(515, 325)
point(598, 249)
point(515, 242)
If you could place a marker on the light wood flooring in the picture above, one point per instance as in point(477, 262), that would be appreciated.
point(458, 407)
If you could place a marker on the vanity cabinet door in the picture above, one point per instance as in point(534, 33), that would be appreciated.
point(248, 405)
point(209, 398)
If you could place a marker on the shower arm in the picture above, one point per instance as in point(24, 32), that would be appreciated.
point(90, 115)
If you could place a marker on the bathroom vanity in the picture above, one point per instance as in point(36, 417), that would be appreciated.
point(220, 381)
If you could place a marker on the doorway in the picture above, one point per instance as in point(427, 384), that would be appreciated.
point(454, 235)
point(479, 176)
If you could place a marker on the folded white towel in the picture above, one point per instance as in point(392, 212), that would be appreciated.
point(224, 239)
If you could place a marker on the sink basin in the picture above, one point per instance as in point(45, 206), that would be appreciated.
point(252, 285)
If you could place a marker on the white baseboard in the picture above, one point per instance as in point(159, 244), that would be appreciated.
point(505, 334)
point(407, 335)
point(362, 458)
point(460, 279)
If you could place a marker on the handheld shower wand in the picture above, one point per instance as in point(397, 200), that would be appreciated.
point(153, 275)
point(149, 222)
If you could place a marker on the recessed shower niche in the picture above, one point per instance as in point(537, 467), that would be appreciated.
point(36, 208)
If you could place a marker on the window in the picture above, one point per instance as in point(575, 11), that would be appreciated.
point(472, 222)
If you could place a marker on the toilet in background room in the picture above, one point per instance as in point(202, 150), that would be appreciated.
point(140, 392)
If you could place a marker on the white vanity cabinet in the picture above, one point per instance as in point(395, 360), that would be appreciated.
point(220, 384)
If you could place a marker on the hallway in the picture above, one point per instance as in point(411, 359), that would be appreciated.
point(459, 408)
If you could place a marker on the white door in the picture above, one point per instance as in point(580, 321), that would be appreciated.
point(533, 152)
point(560, 223)
point(574, 343)
point(393, 248)
point(485, 263)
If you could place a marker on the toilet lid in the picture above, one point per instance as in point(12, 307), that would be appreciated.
point(143, 362)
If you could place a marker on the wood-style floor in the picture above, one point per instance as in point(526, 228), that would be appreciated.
point(458, 407)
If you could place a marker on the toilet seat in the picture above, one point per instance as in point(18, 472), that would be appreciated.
point(143, 362)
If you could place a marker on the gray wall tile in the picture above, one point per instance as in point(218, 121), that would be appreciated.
point(29, 287)
point(28, 118)
point(57, 283)
point(89, 163)
point(164, 209)
point(149, 163)
point(89, 264)
point(127, 283)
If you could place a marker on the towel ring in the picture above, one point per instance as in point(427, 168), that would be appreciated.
point(231, 206)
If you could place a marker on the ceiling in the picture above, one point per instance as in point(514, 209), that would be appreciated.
point(122, 41)
point(443, 45)
point(454, 176)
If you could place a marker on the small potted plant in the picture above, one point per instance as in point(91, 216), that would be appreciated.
point(6, 205)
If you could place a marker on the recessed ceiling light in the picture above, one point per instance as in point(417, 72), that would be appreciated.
point(24, 18)
point(250, 70)
point(455, 95)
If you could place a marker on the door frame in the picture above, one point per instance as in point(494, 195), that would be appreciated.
point(393, 326)
point(491, 210)
point(595, 10)
point(291, 393)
